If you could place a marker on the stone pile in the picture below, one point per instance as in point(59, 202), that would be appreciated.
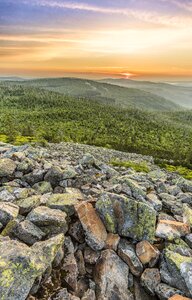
point(73, 227)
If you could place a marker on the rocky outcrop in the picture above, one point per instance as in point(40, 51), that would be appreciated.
point(72, 227)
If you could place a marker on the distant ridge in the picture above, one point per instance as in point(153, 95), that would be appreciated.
point(107, 93)
point(178, 92)
point(12, 78)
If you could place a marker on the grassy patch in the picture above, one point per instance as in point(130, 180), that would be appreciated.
point(183, 171)
point(138, 167)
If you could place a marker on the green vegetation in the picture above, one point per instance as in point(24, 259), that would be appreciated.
point(138, 167)
point(29, 114)
point(102, 92)
point(183, 171)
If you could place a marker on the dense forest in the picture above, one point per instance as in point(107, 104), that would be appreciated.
point(29, 114)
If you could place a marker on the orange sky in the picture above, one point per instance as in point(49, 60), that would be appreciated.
point(59, 38)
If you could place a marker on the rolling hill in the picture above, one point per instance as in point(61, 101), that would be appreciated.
point(103, 92)
point(31, 114)
point(179, 93)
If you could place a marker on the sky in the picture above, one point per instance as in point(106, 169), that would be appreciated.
point(138, 39)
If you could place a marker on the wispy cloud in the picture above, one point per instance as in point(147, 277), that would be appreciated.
point(185, 5)
point(142, 15)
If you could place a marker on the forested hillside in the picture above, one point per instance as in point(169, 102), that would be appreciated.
point(179, 93)
point(32, 114)
point(121, 97)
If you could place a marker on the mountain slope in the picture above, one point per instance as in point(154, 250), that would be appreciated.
point(179, 94)
point(103, 92)
point(33, 114)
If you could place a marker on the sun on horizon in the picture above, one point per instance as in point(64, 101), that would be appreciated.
point(144, 39)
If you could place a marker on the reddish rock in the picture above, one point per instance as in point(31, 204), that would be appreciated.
point(147, 253)
point(170, 230)
point(111, 277)
point(112, 241)
point(178, 297)
point(95, 231)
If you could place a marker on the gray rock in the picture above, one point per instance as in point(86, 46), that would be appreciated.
point(69, 269)
point(111, 277)
point(27, 232)
point(127, 253)
point(43, 187)
point(77, 232)
point(140, 293)
point(35, 176)
point(186, 272)
point(187, 214)
point(154, 201)
point(54, 176)
point(6, 195)
point(150, 280)
point(21, 265)
point(137, 192)
point(64, 202)
point(27, 204)
point(180, 247)
point(171, 203)
point(170, 230)
point(188, 239)
point(176, 271)
point(44, 216)
point(7, 167)
point(8, 212)
point(91, 256)
point(164, 291)
point(89, 295)
point(87, 160)
point(157, 174)
point(69, 173)
point(127, 217)
point(174, 190)
point(185, 198)
point(62, 295)
point(184, 184)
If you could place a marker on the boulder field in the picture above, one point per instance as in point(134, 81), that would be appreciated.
point(74, 227)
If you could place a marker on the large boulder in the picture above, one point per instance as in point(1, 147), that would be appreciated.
point(44, 216)
point(27, 232)
point(176, 271)
point(21, 265)
point(170, 230)
point(111, 277)
point(64, 202)
point(95, 231)
point(127, 217)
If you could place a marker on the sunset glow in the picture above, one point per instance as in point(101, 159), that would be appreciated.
point(126, 38)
